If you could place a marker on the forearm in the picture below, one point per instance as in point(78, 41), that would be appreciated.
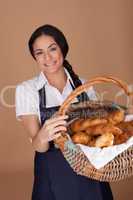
point(39, 144)
point(40, 136)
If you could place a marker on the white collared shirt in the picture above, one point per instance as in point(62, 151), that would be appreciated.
point(27, 96)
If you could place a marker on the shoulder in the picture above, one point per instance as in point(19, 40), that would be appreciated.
point(27, 90)
point(30, 84)
point(26, 98)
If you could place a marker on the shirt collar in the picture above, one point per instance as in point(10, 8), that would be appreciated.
point(42, 80)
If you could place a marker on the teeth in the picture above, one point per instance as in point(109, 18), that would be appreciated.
point(48, 65)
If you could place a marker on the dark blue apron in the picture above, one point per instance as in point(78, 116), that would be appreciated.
point(54, 179)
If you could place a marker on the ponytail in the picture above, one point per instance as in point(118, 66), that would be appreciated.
point(77, 82)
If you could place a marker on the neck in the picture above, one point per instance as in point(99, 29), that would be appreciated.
point(57, 80)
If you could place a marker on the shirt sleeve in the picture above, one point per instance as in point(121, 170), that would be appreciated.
point(25, 100)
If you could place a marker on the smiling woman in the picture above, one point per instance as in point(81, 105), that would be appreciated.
point(49, 58)
point(36, 101)
point(48, 54)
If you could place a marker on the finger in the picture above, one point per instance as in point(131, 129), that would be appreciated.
point(57, 130)
point(56, 124)
point(52, 137)
point(55, 119)
point(56, 135)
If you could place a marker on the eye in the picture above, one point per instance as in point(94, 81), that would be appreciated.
point(53, 49)
point(38, 53)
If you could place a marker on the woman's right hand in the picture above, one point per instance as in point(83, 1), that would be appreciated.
point(40, 136)
point(52, 127)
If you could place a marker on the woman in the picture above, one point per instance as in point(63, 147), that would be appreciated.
point(36, 101)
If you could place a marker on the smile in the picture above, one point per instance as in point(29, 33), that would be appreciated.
point(51, 64)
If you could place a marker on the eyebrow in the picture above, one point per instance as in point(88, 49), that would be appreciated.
point(48, 47)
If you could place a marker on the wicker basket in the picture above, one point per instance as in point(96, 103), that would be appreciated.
point(119, 168)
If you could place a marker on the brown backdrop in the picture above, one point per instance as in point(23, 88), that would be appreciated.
point(100, 38)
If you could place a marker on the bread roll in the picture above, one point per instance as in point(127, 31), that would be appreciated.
point(104, 140)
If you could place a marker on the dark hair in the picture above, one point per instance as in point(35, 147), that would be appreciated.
point(61, 41)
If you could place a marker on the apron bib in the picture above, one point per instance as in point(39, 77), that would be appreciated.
point(54, 179)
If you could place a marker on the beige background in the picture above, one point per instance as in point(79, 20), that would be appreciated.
point(100, 35)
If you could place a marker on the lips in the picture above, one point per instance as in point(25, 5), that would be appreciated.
point(50, 64)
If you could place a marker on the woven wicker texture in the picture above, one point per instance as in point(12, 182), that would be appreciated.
point(120, 167)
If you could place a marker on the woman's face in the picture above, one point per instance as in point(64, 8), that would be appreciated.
point(47, 54)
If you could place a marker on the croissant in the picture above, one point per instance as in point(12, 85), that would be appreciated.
point(76, 125)
point(103, 129)
point(83, 124)
point(102, 132)
point(91, 122)
point(127, 128)
point(81, 138)
point(92, 141)
point(119, 139)
point(116, 116)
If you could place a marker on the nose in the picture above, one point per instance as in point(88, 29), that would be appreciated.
point(47, 56)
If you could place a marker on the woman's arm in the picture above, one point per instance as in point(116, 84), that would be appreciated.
point(40, 136)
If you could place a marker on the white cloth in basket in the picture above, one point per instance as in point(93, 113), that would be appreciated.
point(99, 157)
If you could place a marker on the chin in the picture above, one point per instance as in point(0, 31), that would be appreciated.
point(53, 69)
point(50, 71)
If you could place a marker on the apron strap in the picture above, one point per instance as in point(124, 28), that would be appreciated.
point(42, 97)
point(83, 96)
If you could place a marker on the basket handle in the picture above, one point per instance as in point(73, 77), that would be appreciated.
point(96, 80)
